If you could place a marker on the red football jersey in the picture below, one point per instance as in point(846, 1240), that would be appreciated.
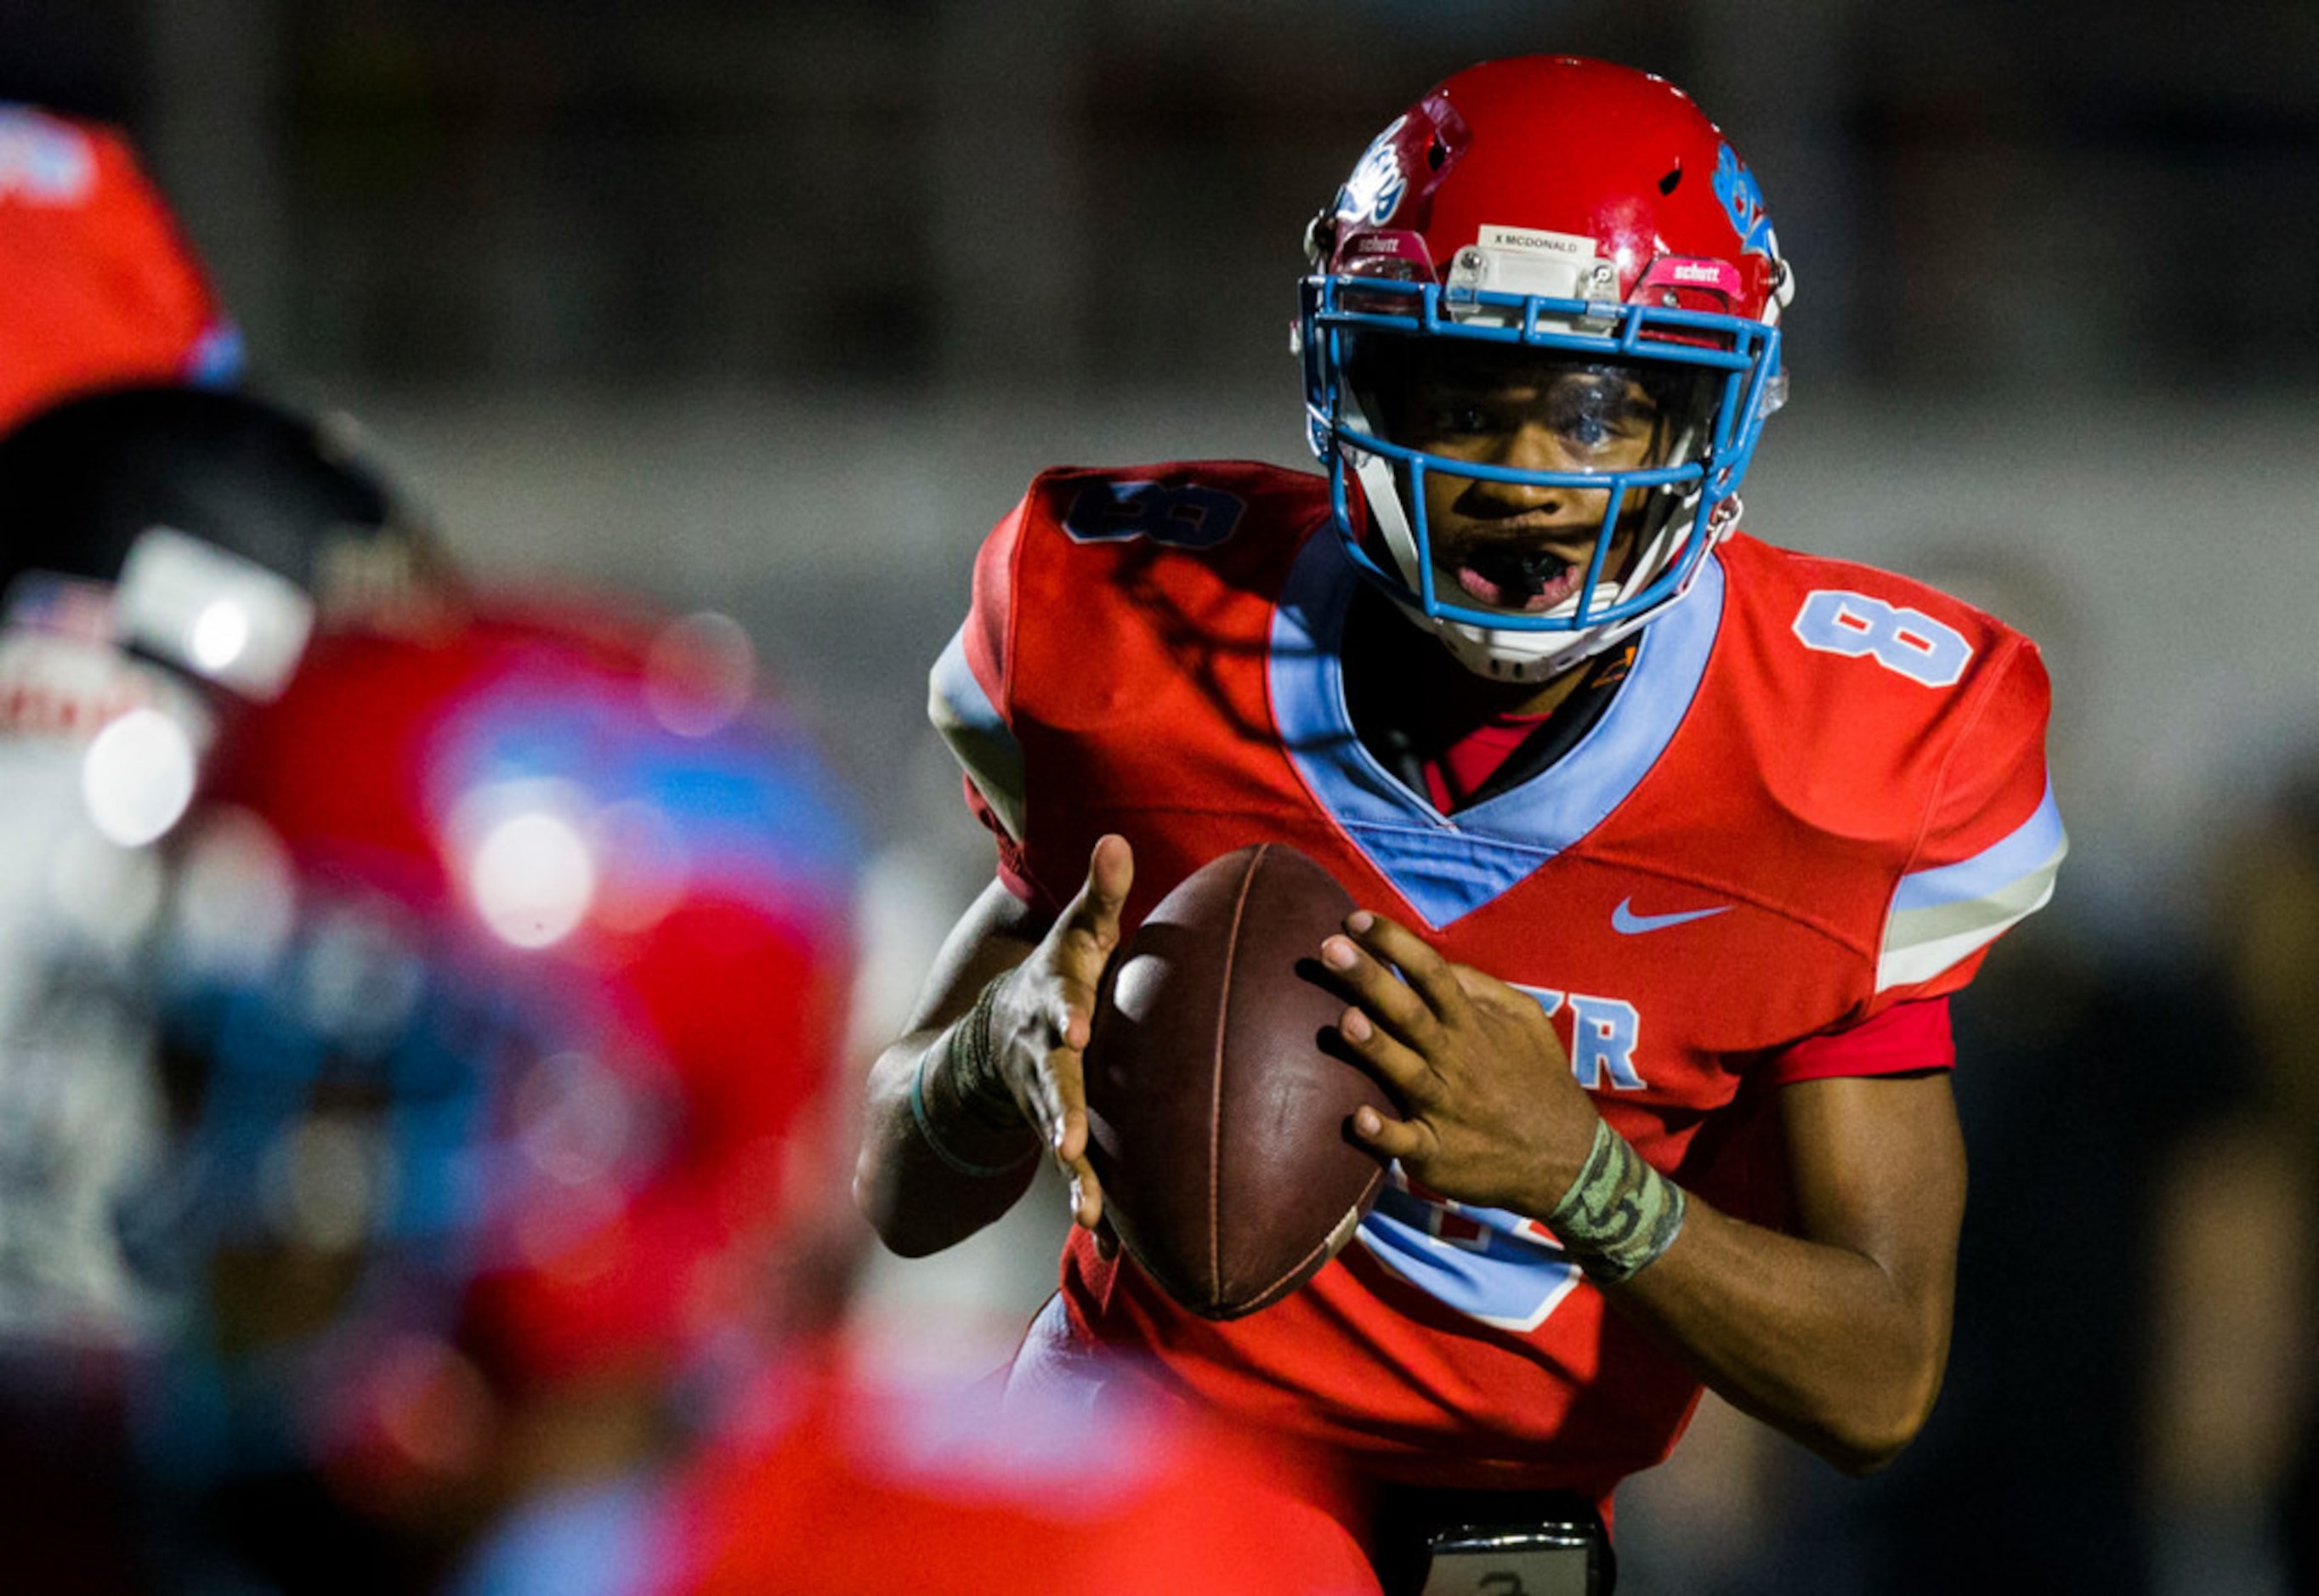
point(839, 1483)
point(98, 287)
point(1820, 795)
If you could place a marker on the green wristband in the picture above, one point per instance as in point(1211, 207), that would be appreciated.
point(1620, 1214)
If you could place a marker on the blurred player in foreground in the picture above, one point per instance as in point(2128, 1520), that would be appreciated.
point(505, 971)
point(1674, 844)
point(502, 962)
point(98, 285)
point(165, 552)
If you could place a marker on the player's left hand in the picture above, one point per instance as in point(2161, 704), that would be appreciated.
point(1493, 1115)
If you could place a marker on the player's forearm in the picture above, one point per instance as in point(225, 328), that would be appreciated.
point(939, 1162)
point(933, 1170)
point(1823, 1343)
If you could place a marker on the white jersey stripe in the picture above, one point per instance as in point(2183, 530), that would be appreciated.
point(1941, 916)
point(978, 736)
point(2032, 845)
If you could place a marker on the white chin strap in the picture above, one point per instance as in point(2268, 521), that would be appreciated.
point(1504, 655)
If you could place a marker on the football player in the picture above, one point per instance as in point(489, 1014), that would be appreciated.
point(504, 959)
point(98, 285)
point(1671, 846)
point(164, 554)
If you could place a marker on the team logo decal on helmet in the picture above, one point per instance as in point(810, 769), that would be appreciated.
point(1743, 202)
point(43, 158)
point(1375, 187)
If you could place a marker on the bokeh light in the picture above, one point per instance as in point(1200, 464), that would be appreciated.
point(137, 777)
point(532, 879)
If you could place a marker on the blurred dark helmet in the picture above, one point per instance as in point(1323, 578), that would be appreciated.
point(203, 527)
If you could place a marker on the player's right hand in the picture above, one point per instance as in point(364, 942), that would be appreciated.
point(1043, 1016)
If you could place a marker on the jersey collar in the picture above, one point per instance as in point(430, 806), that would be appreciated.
point(1447, 866)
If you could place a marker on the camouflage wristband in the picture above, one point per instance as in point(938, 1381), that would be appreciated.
point(1620, 1213)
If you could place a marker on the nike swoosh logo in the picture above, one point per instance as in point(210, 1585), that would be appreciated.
point(1624, 920)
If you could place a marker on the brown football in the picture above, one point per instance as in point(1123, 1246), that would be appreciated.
point(1220, 1130)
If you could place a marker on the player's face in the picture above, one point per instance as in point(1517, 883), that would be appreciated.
point(1523, 547)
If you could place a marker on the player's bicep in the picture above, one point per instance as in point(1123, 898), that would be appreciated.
point(1877, 1169)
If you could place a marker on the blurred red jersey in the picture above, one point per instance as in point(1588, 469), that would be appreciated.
point(1815, 799)
point(839, 1482)
point(98, 287)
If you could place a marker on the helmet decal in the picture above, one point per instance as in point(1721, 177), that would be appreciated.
point(43, 158)
point(1373, 193)
point(1743, 202)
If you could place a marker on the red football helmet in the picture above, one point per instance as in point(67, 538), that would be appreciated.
point(1559, 210)
point(504, 970)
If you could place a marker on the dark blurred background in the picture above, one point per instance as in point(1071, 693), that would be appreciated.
point(772, 308)
point(780, 303)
